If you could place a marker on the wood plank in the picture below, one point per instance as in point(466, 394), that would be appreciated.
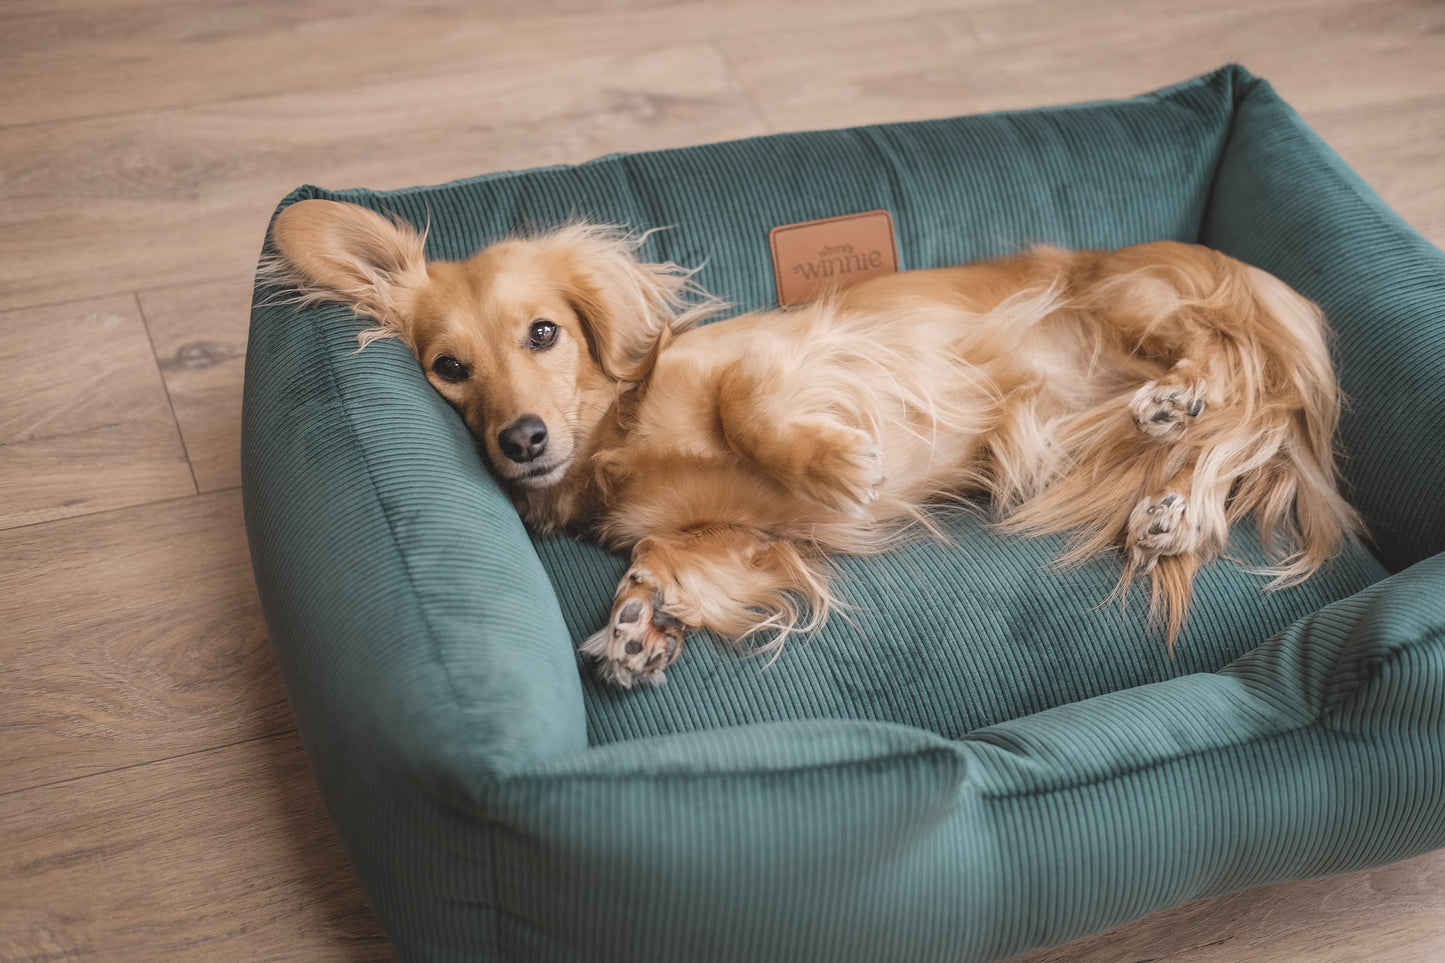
point(131, 636)
point(1396, 148)
point(85, 424)
point(1394, 913)
point(139, 201)
point(199, 333)
point(1319, 53)
point(70, 60)
point(223, 855)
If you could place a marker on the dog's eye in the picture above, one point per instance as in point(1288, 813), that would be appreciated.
point(541, 334)
point(450, 369)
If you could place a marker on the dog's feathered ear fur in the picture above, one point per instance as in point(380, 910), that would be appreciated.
point(630, 308)
point(333, 251)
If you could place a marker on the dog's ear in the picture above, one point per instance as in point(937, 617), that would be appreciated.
point(629, 307)
point(334, 251)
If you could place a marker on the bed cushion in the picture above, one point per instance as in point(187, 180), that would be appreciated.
point(981, 758)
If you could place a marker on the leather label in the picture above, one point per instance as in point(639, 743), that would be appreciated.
point(812, 257)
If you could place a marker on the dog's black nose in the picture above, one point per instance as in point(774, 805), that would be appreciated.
point(524, 439)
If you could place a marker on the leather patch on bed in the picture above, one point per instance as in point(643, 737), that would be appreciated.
point(813, 256)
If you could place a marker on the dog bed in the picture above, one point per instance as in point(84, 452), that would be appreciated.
point(981, 758)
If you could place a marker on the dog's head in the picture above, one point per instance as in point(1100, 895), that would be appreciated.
point(529, 339)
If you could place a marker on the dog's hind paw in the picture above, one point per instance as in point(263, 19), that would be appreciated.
point(1159, 527)
point(1165, 408)
point(641, 638)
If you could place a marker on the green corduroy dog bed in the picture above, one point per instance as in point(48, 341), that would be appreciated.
point(982, 758)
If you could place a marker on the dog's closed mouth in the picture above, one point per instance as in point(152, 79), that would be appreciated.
point(539, 476)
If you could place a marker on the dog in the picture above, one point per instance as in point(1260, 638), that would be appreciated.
point(1144, 399)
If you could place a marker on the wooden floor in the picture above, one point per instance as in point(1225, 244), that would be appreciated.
point(155, 804)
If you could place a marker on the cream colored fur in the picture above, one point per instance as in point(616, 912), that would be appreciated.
point(1144, 399)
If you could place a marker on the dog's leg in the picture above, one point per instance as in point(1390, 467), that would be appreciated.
point(1187, 515)
point(1161, 524)
point(811, 451)
point(1167, 407)
point(731, 580)
point(1163, 317)
point(1172, 530)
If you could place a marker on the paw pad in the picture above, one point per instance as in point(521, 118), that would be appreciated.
point(641, 638)
point(1159, 527)
point(1165, 409)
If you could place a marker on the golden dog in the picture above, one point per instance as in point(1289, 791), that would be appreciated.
point(1146, 398)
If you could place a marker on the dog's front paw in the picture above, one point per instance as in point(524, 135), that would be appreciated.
point(1166, 408)
point(840, 467)
point(1158, 527)
point(641, 638)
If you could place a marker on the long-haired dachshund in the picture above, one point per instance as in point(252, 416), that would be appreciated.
point(1145, 398)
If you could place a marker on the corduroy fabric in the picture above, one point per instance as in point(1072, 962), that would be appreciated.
point(947, 636)
point(982, 759)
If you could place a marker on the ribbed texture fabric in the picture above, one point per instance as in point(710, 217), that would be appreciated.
point(981, 759)
point(947, 636)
